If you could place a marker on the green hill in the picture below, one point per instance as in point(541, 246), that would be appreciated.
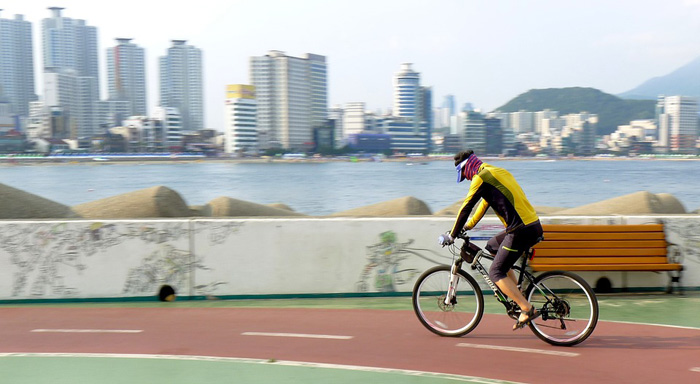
point(611, 110)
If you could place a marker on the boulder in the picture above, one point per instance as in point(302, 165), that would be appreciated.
point(17, 204)
point(281, 206)
point(200, 210)
point(544, 210)
point(229, 207)
point(637, 203)
point(452, 210)
point(403, 206)
point(145, 203)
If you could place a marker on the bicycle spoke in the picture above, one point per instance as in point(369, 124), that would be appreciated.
point(455, 319)
point(568, 305)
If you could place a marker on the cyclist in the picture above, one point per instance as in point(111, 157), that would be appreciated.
point(498, 189)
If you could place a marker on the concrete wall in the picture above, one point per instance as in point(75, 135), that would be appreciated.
point(80, 259)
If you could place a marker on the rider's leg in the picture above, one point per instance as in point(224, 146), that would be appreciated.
point(501, 273)
point(510, 288)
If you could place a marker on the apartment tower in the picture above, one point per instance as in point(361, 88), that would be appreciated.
point(292, 98)
point(181, 84)
point(71, 76)
point(126, 76)
point(17, 64)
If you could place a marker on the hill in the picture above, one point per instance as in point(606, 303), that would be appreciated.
point(611, 110)
point(684, 81)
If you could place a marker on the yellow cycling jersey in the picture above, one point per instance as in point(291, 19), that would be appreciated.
point(497, 189)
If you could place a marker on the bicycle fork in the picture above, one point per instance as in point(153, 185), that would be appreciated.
point(451, 297)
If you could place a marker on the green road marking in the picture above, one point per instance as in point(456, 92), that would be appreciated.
point(66, 368)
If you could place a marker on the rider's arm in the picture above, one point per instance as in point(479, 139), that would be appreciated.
point(478, 214)
point(472, 197)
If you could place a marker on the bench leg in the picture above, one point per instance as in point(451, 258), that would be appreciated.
point(674, 280)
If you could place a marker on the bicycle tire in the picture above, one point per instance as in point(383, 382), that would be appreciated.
point(569, 312)
point(452, 320)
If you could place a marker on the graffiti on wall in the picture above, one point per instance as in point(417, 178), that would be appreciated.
point(384, 271)
point(50, 258)
point(684, 240)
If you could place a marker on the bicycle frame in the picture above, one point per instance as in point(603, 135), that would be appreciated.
point(512, 308)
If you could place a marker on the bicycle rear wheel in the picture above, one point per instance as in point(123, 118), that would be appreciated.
point(568, 307)
point(455, 319)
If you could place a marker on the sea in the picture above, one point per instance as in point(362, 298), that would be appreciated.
point(324, 187)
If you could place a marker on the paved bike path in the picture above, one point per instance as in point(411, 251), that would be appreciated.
point(337, 342)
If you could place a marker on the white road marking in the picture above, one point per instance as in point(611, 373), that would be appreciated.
point(87, 330)
point(304, 364)
point(300, 335)
point(696, 369)
point(516, 349)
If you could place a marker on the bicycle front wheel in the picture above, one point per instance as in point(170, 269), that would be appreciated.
point(457, 318)
point(568, 307)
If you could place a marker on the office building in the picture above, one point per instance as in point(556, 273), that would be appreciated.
point(292, 98)
point(181, 84)
point(71, 76)
point(354, 118)
point(126, 76)
point(474, 131)
point(413, 101)
point(407, 136)
point(240, 120)
point(406, 92)
point(172, 128)
point(17, 65)
point(678, 124)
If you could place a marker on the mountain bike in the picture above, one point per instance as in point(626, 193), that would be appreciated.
point(449, 302)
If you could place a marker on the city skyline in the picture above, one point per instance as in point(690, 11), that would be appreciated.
point(482, 53)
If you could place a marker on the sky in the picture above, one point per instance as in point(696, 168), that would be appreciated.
point(483, 52)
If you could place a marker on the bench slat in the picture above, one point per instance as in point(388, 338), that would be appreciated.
point(602, 244)
point(603, 228)
point(548, 236)
point(564, 252)
point(609, 267)
point(598, 260)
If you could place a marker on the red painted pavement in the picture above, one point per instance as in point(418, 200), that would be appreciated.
point(388, 339)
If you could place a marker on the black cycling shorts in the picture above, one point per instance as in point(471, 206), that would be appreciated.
point(509, 246)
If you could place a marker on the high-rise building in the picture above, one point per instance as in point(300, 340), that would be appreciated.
point(413, 102)
point(292, 97)
point(678, 123)
point(71, 76)
point(406, 92)
point(240, 119)
point(17, 64)
point(181, 84)
point(126, 76)
point(475, 131)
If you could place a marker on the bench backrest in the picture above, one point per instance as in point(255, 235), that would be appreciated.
point(606, 245)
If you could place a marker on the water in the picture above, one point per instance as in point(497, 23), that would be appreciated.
point(324, 188)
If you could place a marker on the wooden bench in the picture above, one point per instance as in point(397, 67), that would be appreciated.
point(605, 248)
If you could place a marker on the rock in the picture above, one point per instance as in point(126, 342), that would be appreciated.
point(280, 206)
point(638, 203)
point(150, 202)
point(229, 207)
point(543, 210)
point(17, 204)
point(452, 210)
point(200, 210)
point(403, 206)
